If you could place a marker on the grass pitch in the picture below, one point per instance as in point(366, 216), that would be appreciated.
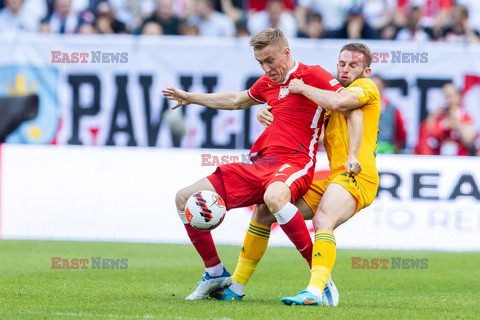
point(160, 276)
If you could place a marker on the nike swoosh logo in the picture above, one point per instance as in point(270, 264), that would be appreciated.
point(305, 301)
point(303, 248)
point(280, 174)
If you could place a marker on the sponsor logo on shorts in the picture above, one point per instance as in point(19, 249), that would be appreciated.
point(350, 179)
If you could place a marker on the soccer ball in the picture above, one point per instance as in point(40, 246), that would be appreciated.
point(205, 210)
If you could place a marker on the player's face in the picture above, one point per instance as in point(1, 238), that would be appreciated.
point(274, 61)
point(452, 96)
point(350, 67)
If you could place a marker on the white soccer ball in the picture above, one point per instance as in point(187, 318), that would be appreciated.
point(205, 210)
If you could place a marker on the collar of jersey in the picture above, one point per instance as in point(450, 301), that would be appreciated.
point(295, 67)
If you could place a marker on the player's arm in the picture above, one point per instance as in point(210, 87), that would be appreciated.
point(336, 101)
point(355, 134)
point(219, 100)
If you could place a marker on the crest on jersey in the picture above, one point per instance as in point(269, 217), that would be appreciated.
point(283, 92)
point(333, 82)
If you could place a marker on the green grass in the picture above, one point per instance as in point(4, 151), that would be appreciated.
point(159, 276)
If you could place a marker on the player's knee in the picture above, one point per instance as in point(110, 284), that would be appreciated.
point(262, 215)
point(276, 196)
point(273, 201)
point(322, 222)
point(181, 199)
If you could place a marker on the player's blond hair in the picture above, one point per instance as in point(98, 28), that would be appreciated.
point(359, 47)
point(270, 36)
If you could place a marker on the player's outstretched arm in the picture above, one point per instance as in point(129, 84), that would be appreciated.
point(355, 134)
point(219, 100)
point(331, 100)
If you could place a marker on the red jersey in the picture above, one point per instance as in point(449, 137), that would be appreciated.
point(260, 5)
point(430, 9)
point(441, 139)
point(297, 120)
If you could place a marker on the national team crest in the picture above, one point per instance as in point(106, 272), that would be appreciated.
point(283, 92)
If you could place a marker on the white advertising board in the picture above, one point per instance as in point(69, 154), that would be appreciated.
point(127, 194)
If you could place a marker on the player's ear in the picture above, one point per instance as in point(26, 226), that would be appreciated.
point(286, 52)
point(366, 72)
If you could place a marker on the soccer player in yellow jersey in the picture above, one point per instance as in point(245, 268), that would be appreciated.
point(338, 198)
point(333, 201)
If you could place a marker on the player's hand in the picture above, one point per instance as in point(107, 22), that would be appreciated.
point(296, 86)
point(176, 94)
point(264, 116)
point(353, 166)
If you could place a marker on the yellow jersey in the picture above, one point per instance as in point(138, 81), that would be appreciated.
point(364, 185)
point(336, 135)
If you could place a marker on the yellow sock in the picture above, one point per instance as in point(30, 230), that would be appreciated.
point(324, 254)
point(253, 249)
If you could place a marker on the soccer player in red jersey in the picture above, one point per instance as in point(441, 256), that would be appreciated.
point(283, 157)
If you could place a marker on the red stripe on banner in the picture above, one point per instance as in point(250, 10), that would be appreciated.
point(470, 81)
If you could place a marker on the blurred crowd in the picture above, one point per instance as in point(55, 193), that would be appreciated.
point(416, 20)
point(447, 130)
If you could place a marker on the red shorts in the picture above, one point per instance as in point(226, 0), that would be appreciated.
point(242, 185)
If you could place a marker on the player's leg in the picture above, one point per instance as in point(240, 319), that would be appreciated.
point(304, 209)
point(239, 186)
point(330, 294)
point(183, 194)
point(337, 206)
point(307, 206)
point(216, 275)
point(289, 183)
point(277, 197)
point(278, 194)
point(253, 248)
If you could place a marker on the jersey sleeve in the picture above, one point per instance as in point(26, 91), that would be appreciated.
point(365, 90)
point(255, 91)
point(322, 79)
